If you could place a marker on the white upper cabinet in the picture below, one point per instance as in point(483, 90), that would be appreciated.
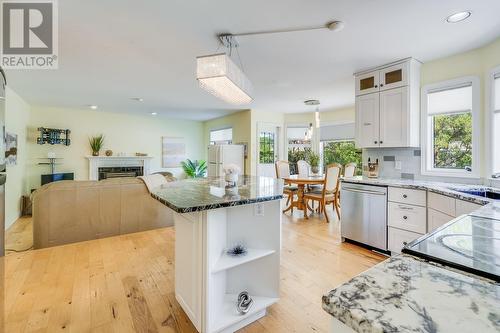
point(367, 83)
point(395, 121)
point(394, 76)
point(367, 115)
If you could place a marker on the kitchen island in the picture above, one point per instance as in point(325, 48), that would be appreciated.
point(447, 280)
point(405, 294)
point(211, 217)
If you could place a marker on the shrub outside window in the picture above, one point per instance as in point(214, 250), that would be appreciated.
point(450, 128)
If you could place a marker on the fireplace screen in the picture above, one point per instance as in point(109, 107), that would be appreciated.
point(120, 172)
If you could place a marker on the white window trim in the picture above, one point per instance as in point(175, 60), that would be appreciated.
point(425, 139)
point(218, 129)
point(490, 106)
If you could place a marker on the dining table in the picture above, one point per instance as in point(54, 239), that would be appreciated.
point(302, 182)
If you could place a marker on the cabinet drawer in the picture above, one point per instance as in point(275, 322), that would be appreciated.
point(437, 219)
point(441, 203)
point(399, 238)
point(407, 196)
point(465, 207)
point(407, 217)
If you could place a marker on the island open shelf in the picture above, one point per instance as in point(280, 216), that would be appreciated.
point(207, 280)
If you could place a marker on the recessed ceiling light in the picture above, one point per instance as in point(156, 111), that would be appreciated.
point(459, 17)
point(154, 113)
point(93, 107)
point(137, 99)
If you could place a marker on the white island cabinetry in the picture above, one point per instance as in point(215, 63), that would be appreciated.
point(207, 279)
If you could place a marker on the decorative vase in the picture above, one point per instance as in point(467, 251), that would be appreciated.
point(95, 153)
point(231, 177)
point(315, 169)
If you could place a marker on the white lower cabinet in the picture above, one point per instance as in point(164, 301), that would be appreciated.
point(465, 207)
point(437, 219)
point(399, 238)
point(412, 213)
point(407, 217)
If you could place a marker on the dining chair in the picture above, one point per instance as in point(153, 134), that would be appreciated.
point(330, 192)
point(283, 171)
point(350, 170)
point(303, 169)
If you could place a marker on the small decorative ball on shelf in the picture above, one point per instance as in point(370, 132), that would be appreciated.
point(109, 152)
point(237, 250)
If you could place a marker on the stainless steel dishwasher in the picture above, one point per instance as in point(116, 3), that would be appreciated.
point(364, 214)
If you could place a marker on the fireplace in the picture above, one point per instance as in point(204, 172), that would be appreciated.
point(105, 167)
point(119, 172)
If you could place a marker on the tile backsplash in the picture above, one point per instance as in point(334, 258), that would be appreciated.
point(410, 159)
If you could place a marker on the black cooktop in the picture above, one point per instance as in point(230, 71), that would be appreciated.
point(469, 243)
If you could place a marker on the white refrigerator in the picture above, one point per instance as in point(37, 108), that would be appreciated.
point(222, 155)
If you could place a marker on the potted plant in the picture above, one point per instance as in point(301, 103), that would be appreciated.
point(194, 169)
point(96, 143)
point(313, 160)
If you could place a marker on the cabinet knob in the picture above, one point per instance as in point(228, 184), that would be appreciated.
point(381, 142)
point(375, 142)
point(381, 84)
point(405, 196)
point(405, 217)
point(405, 243)
point(376, 86)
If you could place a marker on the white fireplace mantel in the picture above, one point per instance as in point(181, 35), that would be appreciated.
point(96, 162)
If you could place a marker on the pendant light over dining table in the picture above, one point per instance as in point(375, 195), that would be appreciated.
point(220, 76)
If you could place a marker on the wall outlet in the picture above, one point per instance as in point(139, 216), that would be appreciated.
point(259, 209)
point(397, 165)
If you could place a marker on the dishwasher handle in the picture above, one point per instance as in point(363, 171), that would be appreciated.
point(363, 191)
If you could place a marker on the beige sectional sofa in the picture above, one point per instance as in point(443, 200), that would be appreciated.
point(72, 211)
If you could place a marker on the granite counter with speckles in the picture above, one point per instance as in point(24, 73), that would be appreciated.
point(191, 195)
point(403, 294)
point(448, 189)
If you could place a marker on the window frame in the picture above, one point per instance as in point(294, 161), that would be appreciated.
point(219, 129)
point(489, 119)
point(427, 139)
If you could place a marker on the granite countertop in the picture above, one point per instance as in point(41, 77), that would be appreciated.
point(403, 294)
point(449, 189)
point(191, 195)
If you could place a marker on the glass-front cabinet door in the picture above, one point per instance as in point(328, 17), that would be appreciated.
point(394, 77)
point(367, 83)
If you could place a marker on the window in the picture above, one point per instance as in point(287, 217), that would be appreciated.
point(449, 128)
point(495, 102)
point(266, 154)
point(298, 146)
point(337, 145)
point(221, 136)
point(342, 152)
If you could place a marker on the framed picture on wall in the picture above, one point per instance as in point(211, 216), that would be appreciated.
point(10, 148)
point(173, 151)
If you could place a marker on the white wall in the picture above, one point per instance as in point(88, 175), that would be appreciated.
point(16, 121)
point(123, 133)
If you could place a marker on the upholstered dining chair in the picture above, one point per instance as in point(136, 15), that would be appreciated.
point(303, 168)
point(283, 171)
point(330, 192)
point(350, 170)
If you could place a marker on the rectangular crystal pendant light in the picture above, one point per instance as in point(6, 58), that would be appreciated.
point(220, 76)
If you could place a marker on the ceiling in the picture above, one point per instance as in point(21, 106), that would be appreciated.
point(111, 51)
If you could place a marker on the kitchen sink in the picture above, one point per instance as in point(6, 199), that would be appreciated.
point(485, 192)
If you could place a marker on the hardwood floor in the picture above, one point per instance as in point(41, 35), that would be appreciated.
point(126, 283)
